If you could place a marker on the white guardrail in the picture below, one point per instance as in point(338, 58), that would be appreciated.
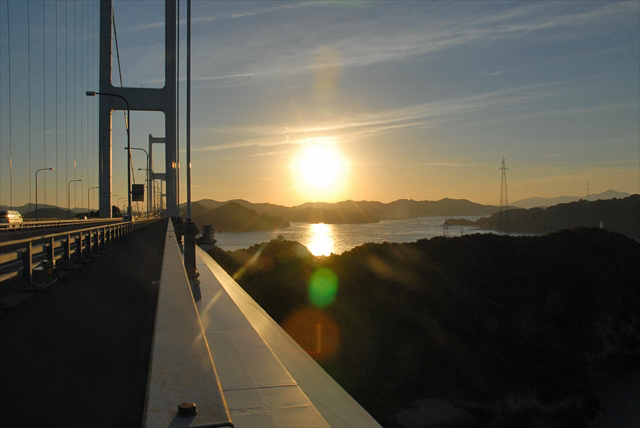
point(38, 259)
point(183, 389)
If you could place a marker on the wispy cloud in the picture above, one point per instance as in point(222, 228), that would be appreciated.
point(354, 125)
point(398, 35)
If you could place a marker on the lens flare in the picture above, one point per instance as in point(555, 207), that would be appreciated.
point(323, 287)
point(315, 331)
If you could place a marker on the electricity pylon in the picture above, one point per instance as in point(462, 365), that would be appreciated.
point(504, 198)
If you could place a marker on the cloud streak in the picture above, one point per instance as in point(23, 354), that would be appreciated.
point(379, 38)
point(356, 125)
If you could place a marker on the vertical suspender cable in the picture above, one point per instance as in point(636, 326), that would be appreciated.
point(66, 95)
point(56, 78)
point(82, 99)
point(94, 84)
point(44, 104)
point(90, 74)
point(178, 107)
point(10, 109)
point(29, 93)
point(189, 110)
point(1, 104)
point(75, 109)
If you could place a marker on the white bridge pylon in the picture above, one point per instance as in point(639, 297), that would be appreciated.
point(142, 99)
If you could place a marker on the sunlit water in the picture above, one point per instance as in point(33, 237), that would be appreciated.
point(324, 239)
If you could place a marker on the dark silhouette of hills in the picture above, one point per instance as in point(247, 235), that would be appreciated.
point(49, 212)
point(617, 215)
point(26, 208)
point(364, 211)
point(547, 202)
point(509, 328)
point(233, 217)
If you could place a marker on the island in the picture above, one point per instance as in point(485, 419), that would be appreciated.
point(233, 217)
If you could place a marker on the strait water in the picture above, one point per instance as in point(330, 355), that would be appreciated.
point(324, 239)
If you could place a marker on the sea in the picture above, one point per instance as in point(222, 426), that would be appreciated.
point(325, 239)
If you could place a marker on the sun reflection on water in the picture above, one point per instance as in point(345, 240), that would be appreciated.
point(321, 240)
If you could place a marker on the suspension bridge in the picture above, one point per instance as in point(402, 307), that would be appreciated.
point(106, 322)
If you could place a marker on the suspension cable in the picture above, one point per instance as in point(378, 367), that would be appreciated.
point(115, 37)
point(56, 78)
point(29, 93)
point(75, 106)
point(44, 105)
point(82, 100)
point(66, 97)
point(10, 110)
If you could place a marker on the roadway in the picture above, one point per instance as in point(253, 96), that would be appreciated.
point(77, 353)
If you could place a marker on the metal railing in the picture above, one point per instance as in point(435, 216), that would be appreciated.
point(39, 259)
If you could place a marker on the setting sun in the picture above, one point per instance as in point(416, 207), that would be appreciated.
point(320, 169)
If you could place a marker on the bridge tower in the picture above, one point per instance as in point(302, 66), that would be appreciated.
point(504, 198)
point(142, 99)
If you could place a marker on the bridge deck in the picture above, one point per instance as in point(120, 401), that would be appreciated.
point(77, 353)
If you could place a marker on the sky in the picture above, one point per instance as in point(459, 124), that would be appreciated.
point(332, 100)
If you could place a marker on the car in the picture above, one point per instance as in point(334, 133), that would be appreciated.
point(11, 217)
point(128, 218)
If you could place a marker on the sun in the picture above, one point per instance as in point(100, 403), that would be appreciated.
point(320, 170)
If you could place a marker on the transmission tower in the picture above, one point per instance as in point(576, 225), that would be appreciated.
point(504, 198)
point(588, 193)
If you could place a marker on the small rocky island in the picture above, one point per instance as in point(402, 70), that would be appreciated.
point(233, 217)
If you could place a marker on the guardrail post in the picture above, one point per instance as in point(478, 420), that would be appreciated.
point(27, 264)
point(51, 255)
point(67, 251)
point(78, 249)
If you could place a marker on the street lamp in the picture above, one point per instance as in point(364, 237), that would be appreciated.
point(41, 169)
point(88, 204)
point(128, 148)
point(148, 189)
point(147, 177)
point(69, 194)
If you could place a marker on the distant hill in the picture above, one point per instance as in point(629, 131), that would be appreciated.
point(233, 217)
point(51, 212)
point(547, 202)
point(363, 211)
point(24, 209)
point(617, 215)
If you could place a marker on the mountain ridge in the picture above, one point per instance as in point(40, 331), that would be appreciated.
point(547, 202)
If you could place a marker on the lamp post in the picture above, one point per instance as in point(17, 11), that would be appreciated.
point(69, 194)
point(128, 148)
point(148, 189)
point(41, 169)
point(147, 175)
point(88, 204)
